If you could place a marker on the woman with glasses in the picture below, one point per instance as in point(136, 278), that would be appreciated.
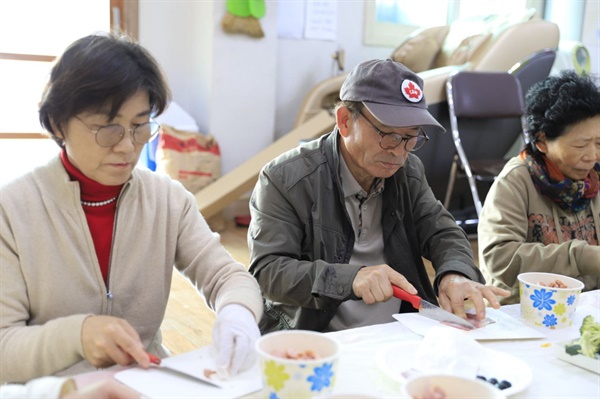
point(542, 214)
point(339, 220)
point(88, 242)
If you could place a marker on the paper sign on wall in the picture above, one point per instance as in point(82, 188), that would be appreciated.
point(321, 20)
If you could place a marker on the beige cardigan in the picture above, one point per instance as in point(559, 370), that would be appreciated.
point(517, 233)
point(50, 279)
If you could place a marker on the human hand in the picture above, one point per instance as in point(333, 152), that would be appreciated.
point(234, 335)
point(107, 340)
point(105, 389)
point(455, 288)
point(374, 283)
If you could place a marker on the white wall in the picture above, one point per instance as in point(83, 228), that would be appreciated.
point(563, 13)
point(206, 83)
point(303, 63)
point(247, 92)
point(243, 95)
point(244, 91)
point(219, 79)
point(179, 36)
point(591, 32)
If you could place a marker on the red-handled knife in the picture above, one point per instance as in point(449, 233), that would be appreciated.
point(431, 311)
point(154, 359)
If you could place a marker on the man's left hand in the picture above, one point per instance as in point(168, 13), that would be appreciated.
point(454, 289)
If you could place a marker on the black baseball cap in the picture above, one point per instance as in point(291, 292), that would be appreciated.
point(391, 92)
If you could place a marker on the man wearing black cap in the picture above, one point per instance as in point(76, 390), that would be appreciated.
point(337, 221)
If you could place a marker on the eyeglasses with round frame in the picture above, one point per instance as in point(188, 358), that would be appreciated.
point(389, 140)
point(109, 135)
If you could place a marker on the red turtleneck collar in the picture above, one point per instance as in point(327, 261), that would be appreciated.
point(91, 190)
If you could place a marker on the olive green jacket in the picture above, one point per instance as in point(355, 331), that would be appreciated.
point(301, 238)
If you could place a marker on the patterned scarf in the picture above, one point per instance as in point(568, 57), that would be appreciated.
point(551, 182)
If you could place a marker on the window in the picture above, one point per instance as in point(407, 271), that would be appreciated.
point(37, 32)
point(34, 32)
point(388, 22)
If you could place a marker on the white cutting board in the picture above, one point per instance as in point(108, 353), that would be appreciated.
point(157, 382)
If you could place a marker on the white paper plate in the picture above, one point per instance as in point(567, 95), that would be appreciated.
point(585, 362)
point(395, 359)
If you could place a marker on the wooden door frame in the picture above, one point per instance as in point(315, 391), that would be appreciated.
point(129, 10)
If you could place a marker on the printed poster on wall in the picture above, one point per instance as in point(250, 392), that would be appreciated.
point(321, 20)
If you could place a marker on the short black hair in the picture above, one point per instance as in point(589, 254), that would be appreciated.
point(101, 71)
point(560, 101)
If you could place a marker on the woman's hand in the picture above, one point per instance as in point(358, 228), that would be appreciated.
point(107, 340)
point(234, 335)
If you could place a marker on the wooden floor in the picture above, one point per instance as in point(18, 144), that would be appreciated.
point(188, 321)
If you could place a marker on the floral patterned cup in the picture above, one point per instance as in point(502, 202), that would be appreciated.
point(285, 377)
point(545, 305)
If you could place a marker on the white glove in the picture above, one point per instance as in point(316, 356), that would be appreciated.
point(234, 335)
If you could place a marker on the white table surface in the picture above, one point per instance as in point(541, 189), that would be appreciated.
point(552, 377)
point(359, 373)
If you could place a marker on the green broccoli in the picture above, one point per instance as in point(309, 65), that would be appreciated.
point(574, 349)
point(589, 342)
point(589, 324)
point(590, 337)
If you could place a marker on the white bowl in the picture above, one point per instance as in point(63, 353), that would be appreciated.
point(297, 378)
point(453, 387)
point(546, 306)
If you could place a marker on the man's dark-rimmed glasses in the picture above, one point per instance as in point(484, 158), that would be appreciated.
point(389, 141)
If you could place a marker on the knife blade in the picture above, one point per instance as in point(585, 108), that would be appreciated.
point(195, 376)
point(431, 311)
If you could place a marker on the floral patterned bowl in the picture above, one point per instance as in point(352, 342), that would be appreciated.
point(547, 306)
point(295, 377)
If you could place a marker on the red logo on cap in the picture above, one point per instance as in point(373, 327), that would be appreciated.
point(411, 91)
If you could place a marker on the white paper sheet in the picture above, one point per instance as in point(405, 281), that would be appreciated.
point(321, 20)
point(157, 382)
point(194, 364)
point(505, 326)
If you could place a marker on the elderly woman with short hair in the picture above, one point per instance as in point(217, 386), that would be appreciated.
point(542, 214)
